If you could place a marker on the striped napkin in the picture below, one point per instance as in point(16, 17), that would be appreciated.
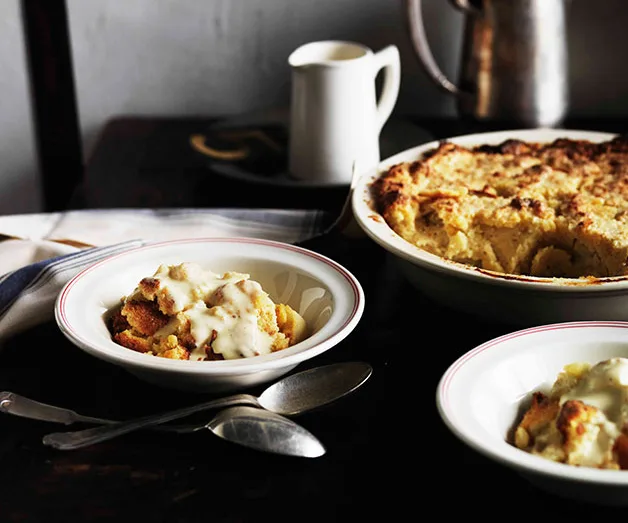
point(39, 253)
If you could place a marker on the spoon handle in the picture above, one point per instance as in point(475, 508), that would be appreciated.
point(82, 438)
point(18, 405)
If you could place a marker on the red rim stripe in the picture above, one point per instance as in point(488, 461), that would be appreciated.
point(463, 360)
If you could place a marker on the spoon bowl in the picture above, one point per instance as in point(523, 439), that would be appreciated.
point(314, 388)
point(292, 395)
point(266, 431)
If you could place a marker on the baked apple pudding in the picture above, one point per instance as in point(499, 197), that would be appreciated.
point(555, 209)
point(583, 420)
point(186, 312)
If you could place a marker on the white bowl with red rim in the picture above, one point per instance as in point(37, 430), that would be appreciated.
point(516, 300)
point(482, 394)
point(326, 294)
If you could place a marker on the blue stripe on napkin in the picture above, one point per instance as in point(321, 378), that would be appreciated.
point(32, 277)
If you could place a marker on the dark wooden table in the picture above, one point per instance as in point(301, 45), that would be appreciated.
point(149, 161)
point(388, 454)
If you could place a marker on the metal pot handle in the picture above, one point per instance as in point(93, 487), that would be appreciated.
point(421, 45)
point(465, 5)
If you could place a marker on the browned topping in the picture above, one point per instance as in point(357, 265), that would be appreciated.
point(620, 448)
point(516, 207)
point(144, 316)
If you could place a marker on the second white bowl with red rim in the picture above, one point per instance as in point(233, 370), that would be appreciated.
point(482, 394)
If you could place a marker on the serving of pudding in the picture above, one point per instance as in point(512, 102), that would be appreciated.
point(187, 312)
point(583, 420)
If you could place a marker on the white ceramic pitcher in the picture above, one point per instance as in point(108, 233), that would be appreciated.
point(335, 116)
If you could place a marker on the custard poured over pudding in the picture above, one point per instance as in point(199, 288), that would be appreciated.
point(551, 210)
point(186, 312)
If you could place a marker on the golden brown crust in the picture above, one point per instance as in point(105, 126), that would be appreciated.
point(143, 316)
point(557, 210)
point(129, 339)
point(620, 449)
point(541, 412)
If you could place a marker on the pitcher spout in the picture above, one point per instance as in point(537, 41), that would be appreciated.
point(327, 53)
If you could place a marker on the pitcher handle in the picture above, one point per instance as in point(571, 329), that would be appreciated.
point(387, 59)
point(422, 48)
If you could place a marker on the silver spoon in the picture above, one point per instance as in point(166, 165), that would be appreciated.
point(258, 429)
point(264, 430)
point(344, 225)
point(292, 395)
